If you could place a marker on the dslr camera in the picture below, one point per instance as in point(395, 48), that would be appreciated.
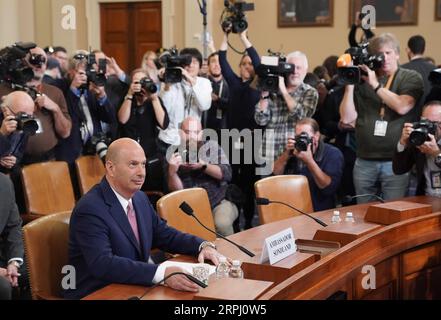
point(302, 142)
point(272, 67)
point(13, 67)
point(26, 123)
point(99, 144)
point(233, 18)
point(420, 134)
point(358, 55)
point(172, 61)
point(98, 77)
point(148, 85)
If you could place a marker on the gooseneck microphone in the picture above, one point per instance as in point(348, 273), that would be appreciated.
point(189, 277)
point(266, 202)
point(348, 199)
point(188, 210)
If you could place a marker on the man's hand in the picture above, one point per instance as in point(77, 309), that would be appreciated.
point(3, 272)
point(407, 130)
point(9, 125)
point(282, 86)
point(113, 65)
point(8, 162)
point(174, 163)
point(431, 147)
point(179, 282)
point(305, 156)
point(43, 101)
point(188, 77)
point(371, 77)
point(193, 166)
point(100, 92)
point(209, 253)
point(13, 275)
point(214, 97)
point(79, 79)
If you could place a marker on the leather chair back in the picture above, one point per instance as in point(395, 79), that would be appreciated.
point(90, 171)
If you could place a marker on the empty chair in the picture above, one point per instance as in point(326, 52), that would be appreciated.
point(46, 246)
point(197, 198)
point(293, 190)
point(47, 188)
point(90, 171)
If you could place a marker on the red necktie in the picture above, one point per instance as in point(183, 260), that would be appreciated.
point(132, 220)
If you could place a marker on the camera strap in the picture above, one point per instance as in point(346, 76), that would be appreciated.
point(388, 86)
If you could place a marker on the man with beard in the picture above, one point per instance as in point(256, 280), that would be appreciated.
point(206, 166)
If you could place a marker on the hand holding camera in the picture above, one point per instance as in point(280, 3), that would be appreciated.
point(79, 79)
point(421, 135)
point(301, 147)
point(369, 76)
point(9, 125)
point(43, 101)
point(174, 163)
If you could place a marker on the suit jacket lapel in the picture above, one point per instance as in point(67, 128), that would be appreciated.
point(118, 214)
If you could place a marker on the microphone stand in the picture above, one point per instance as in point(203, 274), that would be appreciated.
point(203, 8)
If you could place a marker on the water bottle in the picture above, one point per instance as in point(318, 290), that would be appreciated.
point(336, 217)
point(222, 269)
point(236, 271)
point(350, 217)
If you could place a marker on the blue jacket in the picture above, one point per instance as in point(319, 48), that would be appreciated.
point(103, 248)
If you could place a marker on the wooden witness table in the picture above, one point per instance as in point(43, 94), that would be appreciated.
point(271, 281)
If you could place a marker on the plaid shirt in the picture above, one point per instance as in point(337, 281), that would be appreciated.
point(279, 121)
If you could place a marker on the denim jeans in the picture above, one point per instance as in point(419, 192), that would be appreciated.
point(377, 177)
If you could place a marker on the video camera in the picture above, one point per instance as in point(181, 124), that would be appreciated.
point(435, 78)
point(13, 67)
point(272, 67)
point(348, 64)
point(420, 134)
point(302, 142)
point(172, 62)
point(98, 77)
point(233, 18)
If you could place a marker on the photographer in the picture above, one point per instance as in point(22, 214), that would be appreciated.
point(240, 116)
point(188, 98)
point(378, 109)
point(295, 101)
point(309, 156)
point(141, 114)
point(426, 156)
point(209, 170)
point(88, 105)
point(13, 139)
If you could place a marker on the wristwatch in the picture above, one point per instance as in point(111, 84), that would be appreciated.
point(206, 244)
point(438, 160)
point(129, 98)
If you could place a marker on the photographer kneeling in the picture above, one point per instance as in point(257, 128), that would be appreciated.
point(320, 162)
point(420, 145)
point(209, 170)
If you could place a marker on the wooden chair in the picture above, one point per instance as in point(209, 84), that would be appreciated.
point(46, 244)
point(47, 188)
point(293, 190)
point(197, 198)
point(90, 171)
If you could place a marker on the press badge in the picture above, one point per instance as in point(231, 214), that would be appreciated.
point(436, 179)
point(219, 114)
point(380, 128)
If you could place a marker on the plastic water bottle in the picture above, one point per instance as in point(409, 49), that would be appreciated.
point(350, 217)
point(222, 269)
point(336, 217)
point(236, 271)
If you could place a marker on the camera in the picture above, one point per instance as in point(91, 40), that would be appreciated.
point(269, 71)
point(358, 56)
point(435, 78)
point(420, 134)
point(94, 76)
point(99, 144)
point(302, 142)
point(172, 61)
point(13, 67)
point(233, 18)
point(148, 85)
point(26, 123)
point(37, 60)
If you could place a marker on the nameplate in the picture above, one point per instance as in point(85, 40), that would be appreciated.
point(278, 247)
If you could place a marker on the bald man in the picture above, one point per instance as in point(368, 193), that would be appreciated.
point(13, 141)
point(114, 227)
point(50, 110)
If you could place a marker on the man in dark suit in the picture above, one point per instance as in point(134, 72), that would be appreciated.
point(114, 227)
point(426, 158)
point(11, 244)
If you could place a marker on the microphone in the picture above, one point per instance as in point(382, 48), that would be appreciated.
point(265, 202)
point(188, 210)
point(189, 276)
point(348, 199)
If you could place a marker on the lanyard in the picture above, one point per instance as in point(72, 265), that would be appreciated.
point(388, 86)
